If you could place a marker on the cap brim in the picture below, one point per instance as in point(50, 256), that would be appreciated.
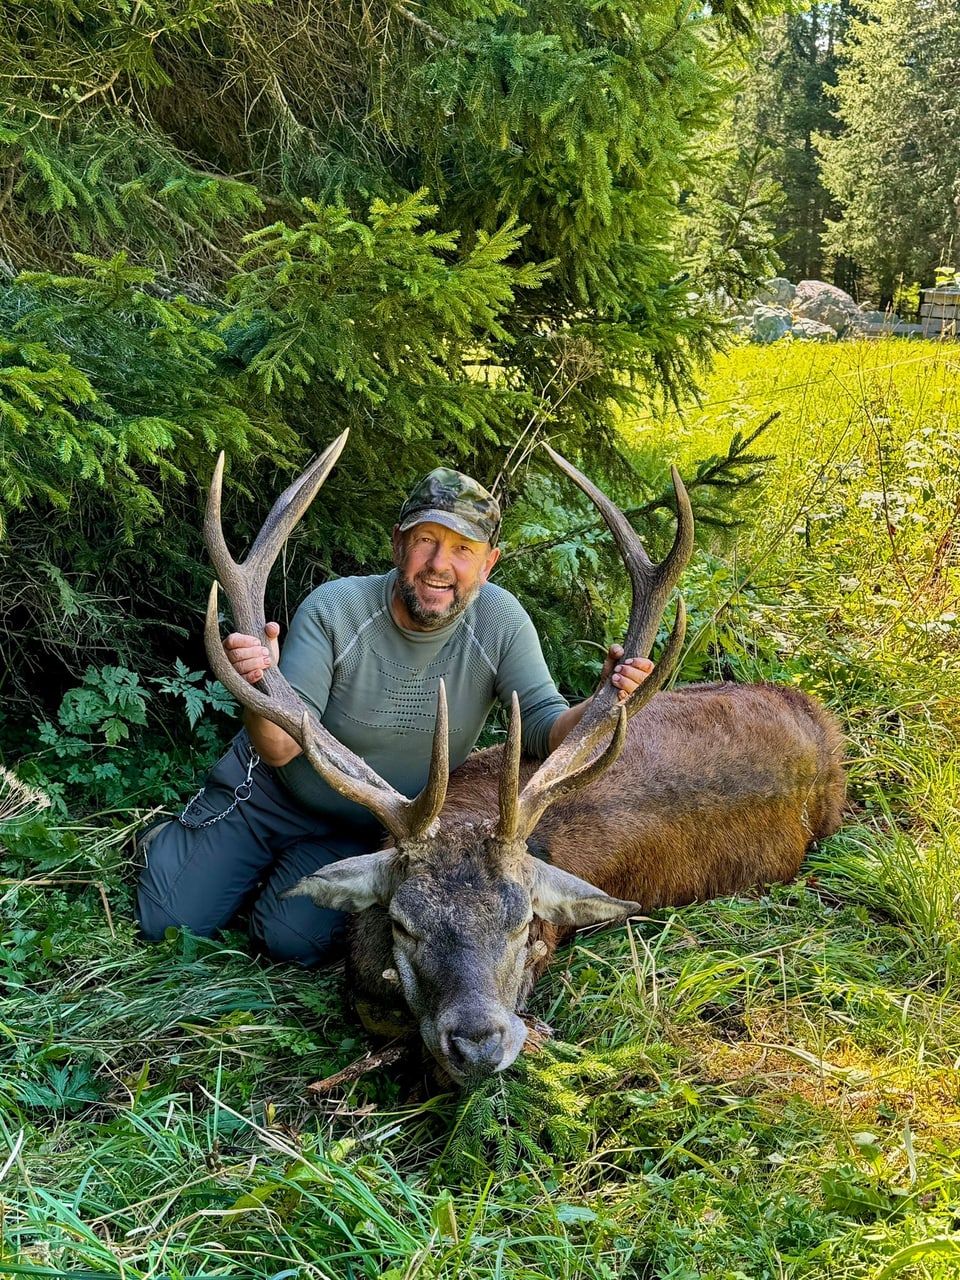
point(449, 521)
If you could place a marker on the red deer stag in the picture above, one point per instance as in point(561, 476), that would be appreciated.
point(711, 790)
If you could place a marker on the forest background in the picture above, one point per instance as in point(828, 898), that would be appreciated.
point(458, 229)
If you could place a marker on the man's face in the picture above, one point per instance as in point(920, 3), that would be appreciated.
point(439, 571)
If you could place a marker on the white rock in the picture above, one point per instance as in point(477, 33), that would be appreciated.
point(770, 323)
point(779, 291)
point(813, 330)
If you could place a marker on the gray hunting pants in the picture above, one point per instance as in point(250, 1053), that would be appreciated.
point(198, 876)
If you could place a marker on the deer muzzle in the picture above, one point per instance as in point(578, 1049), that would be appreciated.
point(473, 1047)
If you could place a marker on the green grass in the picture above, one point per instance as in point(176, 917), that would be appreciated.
point(761, 1088)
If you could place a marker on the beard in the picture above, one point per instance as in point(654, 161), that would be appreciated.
point(430, 619)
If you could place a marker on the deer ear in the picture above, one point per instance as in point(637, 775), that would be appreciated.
point(353, 884)
point(567, 900)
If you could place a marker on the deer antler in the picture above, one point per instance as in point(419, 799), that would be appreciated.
point(571, 766)
point(273, 697)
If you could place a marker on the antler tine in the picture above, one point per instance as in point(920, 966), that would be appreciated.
point(651, 583)
point(519, 814)
point(562, 773)
point(510, 777)
point(290, 506)
point(277, 701)
point(273, 697)
point(322, 750)
point(246, 583)
point(570, 765)
point(564, 770)
point(425, 807)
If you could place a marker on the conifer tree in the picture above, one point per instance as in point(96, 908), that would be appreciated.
point(895, 169)
point(771, 204)
point(803, 55)
point(449, 226)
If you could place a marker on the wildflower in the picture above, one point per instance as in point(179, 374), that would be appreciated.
point(18, 797)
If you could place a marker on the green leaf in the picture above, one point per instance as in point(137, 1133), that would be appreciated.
point(570, 1213)
point(934, 1246)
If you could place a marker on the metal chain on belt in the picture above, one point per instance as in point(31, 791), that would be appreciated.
point(242, 791)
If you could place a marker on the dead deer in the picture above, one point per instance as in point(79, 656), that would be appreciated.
point(710, 790)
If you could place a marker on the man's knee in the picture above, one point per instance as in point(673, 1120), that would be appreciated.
point(155, 918)
point(297, 932)
point(162, 899)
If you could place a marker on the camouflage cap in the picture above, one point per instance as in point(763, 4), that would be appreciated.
point(457, 502)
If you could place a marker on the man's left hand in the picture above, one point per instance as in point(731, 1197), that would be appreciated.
point(626, 674)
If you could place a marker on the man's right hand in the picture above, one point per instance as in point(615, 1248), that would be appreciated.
point(249, 656)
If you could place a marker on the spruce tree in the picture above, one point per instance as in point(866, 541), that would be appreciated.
point(895, 169)
point(783, 108)
point(804, 69)
point(453, 227)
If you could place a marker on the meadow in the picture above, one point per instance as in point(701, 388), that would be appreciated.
point(760, 1088)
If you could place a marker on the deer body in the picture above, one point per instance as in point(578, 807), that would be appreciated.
point(658, 800)
point(720, 788)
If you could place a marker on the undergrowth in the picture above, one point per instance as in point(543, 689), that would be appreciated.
point(752, 1089)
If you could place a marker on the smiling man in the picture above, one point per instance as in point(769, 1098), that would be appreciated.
point(368, 654)
point(442, 560)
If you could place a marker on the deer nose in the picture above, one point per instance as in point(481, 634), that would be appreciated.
point(476, 1053)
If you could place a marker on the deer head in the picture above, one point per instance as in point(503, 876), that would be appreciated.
point(452, 906)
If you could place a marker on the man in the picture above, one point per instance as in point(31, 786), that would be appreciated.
point(367, 653)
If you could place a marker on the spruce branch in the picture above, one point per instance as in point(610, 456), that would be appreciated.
point(96, 91)
point(192, 232)
point(432, 32)
point(578, 362)
point(720, 471)
point(9, 180)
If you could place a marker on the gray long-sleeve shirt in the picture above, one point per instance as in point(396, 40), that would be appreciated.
point(374, 683)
